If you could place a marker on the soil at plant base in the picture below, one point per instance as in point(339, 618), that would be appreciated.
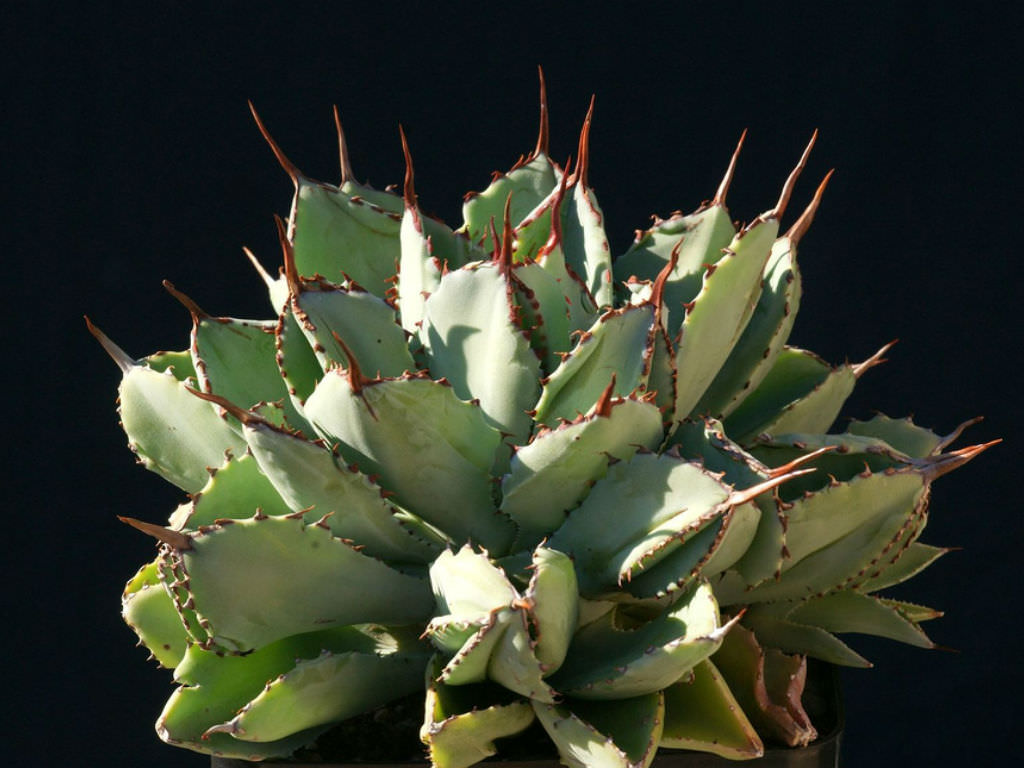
point(391, 735)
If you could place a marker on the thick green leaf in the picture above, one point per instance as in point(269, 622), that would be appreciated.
point(473, 594)
point(330, 688)
point(698, 240)
point(622, 733)
point(801, 393)
point(237, 490)
point(173, 432)
point(309, 477)
point(760, 556)
point(461, 722)
point(433, 450)
point(848, 456)
point(178, 363)
point(428, 249)
point(148, 609)
point(849, 611)
point(554, 600)
point(336, 232)
point(764, 337)
point(619, 344)
point(607, 661)
point(555, 471)
point(901, 565)
point(585, 243)
point(902, 434)
point(259, 580)
point(720, 312)
point(366, 325)
point(236, 359)
point(295, 358)
point(529, 184)
point(638, 513)
point(702, 714)
point(215, 686)
point(791, 637)
point(471, 338)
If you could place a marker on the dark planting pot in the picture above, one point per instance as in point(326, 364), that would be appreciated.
point(822, 700)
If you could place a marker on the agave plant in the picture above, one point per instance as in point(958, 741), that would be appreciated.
point(473, 464)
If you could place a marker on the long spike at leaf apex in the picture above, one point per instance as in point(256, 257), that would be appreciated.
point(544, 132)
point(344, 159)
point(289, 167)
point(583, 151)
point(194, 309)
point(802, 224)
point(175, 539)
point(950, 461)
point(787, 188)
point(859, 369)
point(124, 361)
point(723, 187)
point(408, 188)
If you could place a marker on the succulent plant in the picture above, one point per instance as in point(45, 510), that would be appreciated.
point(472, 464)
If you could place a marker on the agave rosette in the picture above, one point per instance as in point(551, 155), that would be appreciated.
point(472, 457)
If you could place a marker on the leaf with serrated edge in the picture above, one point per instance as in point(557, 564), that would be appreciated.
point(335, 232)
point(910, 562)
point(214, 686)
point(296, 360)
point(554, 472)
point(764, 337)
point(328, 689)
point(433, 450)
point(585, 243)
point(555, 606)
point(801, 393)
point(236, 360)
point(365, 324)
point(308, 476)
point(702, 714)
point(760, 557)
point(259, 580)
point(837, 533)
point(791, 637)
point(850, 611)
point(902, 434)
point(528, 184)
point(607, 662)
point(620, 343)
point(646, 505)
point(470, 339)
point(173, 432)
point(468, 588)
point(623, 733)
point(700, 238)
point(467, 585)
point(847, 457)
point(235, 491)
point(720, 312)
point(460, 723)
point(148, 609)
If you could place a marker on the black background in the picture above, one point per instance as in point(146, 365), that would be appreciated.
point(130, 157)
